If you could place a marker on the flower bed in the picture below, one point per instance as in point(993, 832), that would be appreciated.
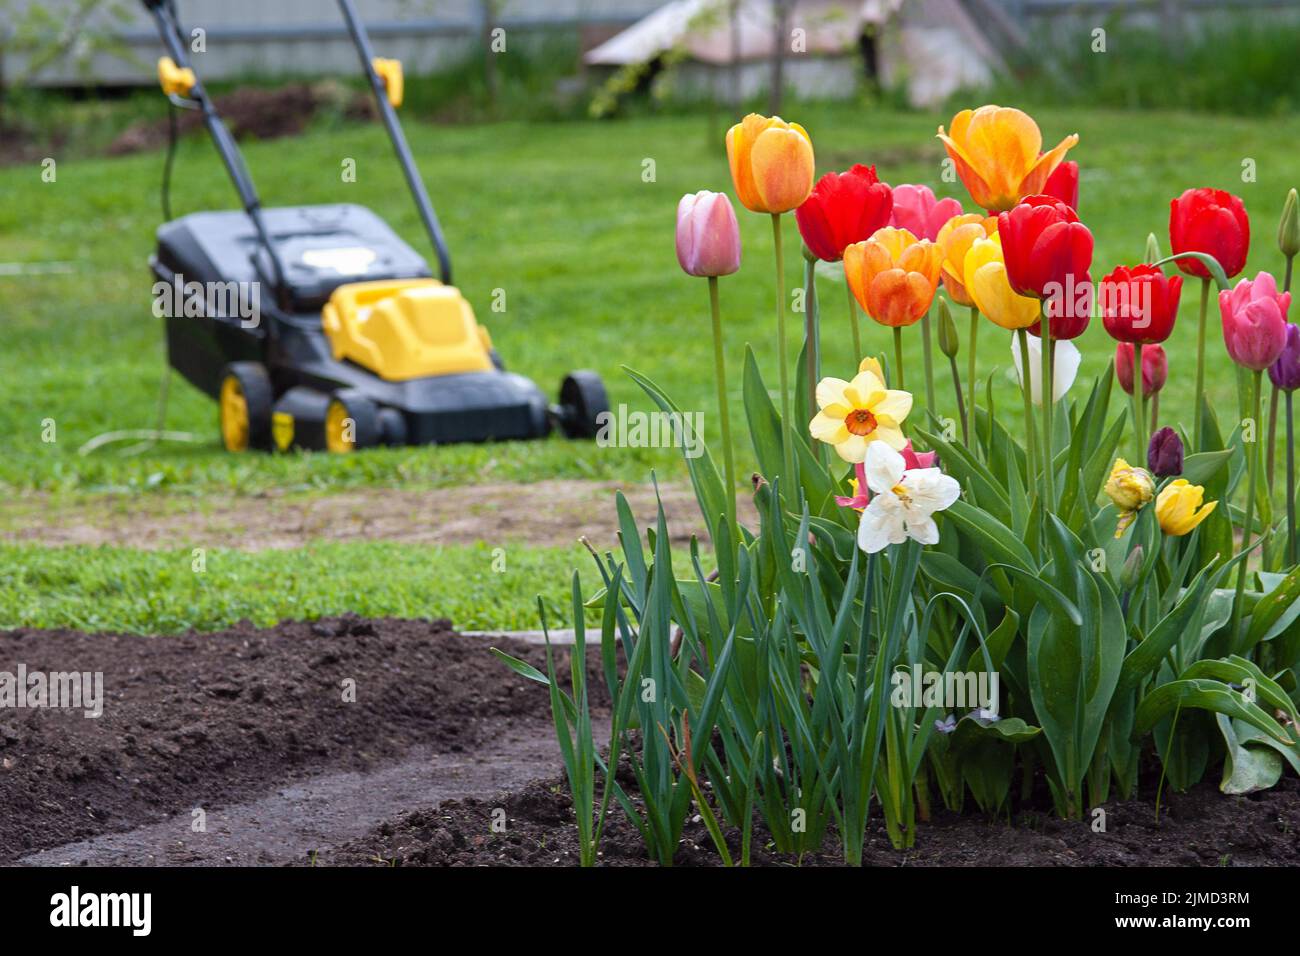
point(939, 611)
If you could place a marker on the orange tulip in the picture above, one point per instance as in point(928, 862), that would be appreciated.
point(771, 163)
point(893, 275)
point(954, 241)
point(997, 151)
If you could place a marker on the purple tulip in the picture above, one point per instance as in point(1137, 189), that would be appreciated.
point(1165, 453)
point(1285, 372)
point(708, 237)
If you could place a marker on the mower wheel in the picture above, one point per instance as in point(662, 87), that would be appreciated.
point(244, 407)
point(351, 421)
point(582, 400)
point(392, 427)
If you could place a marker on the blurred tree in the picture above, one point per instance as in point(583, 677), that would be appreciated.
point(43, 36)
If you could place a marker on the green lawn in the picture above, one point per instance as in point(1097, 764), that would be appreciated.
point(558, 216)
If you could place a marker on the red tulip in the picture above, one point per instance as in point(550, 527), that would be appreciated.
point(1047, 253)
point(1046, 249)
point(917, 211)
point(842, 209)
point(1155, 368)
point(1254, 321)
point(1210, 221)
point(1064, 184)
point(1139, 304)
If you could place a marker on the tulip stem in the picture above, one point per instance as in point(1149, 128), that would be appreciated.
point(724, 416)
point(898, 356)
point(1026, 387)
point(1251, 485)
point(961, 402)
point(1140, 399)
point(782, 358)
point(1154, 418)
point(929, 364)
point(970, 409)
point(853, 321)
point(1046, 392)
point(1269, 455)
point(1200, 365)
point(1290, 484)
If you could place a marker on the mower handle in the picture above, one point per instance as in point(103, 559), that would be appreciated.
point(164, 16)
point(362, 41)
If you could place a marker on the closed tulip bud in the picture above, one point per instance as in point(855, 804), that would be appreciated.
point(1153, 248)
point(1254, 321)
point(1155, 368)
point(947, 330)
point(1285, 372)
point(1064, 184)
point(1288, 230)
point(708, 237)
point(1128, 575)
point(1165, 453)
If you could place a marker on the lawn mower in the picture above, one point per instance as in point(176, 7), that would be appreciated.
point(356, 344)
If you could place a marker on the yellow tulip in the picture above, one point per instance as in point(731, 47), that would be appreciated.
point(771, 163)
point(1178, 508)
point(954, 240)
point(854, 414)
point(985, 279)
point(997, 152)
point(893, 275)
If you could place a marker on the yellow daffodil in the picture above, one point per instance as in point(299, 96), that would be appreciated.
point(986, 283)
point(1130, 488)
point(1179, 508)
point(855, 414)
point(998, 155)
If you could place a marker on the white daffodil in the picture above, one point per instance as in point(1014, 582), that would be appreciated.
point(902, 500)
point(1064, 369)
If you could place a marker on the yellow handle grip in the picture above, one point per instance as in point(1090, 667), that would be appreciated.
point(390, 71)
point(174, 80)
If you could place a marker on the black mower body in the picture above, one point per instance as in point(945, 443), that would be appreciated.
point(209, 262)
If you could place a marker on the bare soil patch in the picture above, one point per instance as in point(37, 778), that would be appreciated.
point(546, 513)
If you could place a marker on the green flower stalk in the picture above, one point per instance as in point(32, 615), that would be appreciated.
point(724, 415)
point(929, 363)
point(973, 379)
point(948, 346)
point(782, 357)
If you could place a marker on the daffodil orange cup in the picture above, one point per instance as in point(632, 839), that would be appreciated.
point(855, 413)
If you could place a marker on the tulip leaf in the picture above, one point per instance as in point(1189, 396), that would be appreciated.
point(1275, 612)
point(1073, 671)
point(1201, 467)
point(995, 540)
point(1246, 769)
point(704, 474)
point(1202, 694)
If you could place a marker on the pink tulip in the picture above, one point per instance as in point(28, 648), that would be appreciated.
point(917, 211)
point(1254, 321)
point(708, 238)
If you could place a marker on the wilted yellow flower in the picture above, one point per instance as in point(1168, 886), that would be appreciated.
point(1179, 508)
point(854, 414)
point(1130, 488)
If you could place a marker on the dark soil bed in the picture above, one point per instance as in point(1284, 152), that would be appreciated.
point(1199, 828)
point(204, 720)
point(252, 726)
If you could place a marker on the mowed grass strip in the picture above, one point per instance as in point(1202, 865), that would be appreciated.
point(478, 587)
